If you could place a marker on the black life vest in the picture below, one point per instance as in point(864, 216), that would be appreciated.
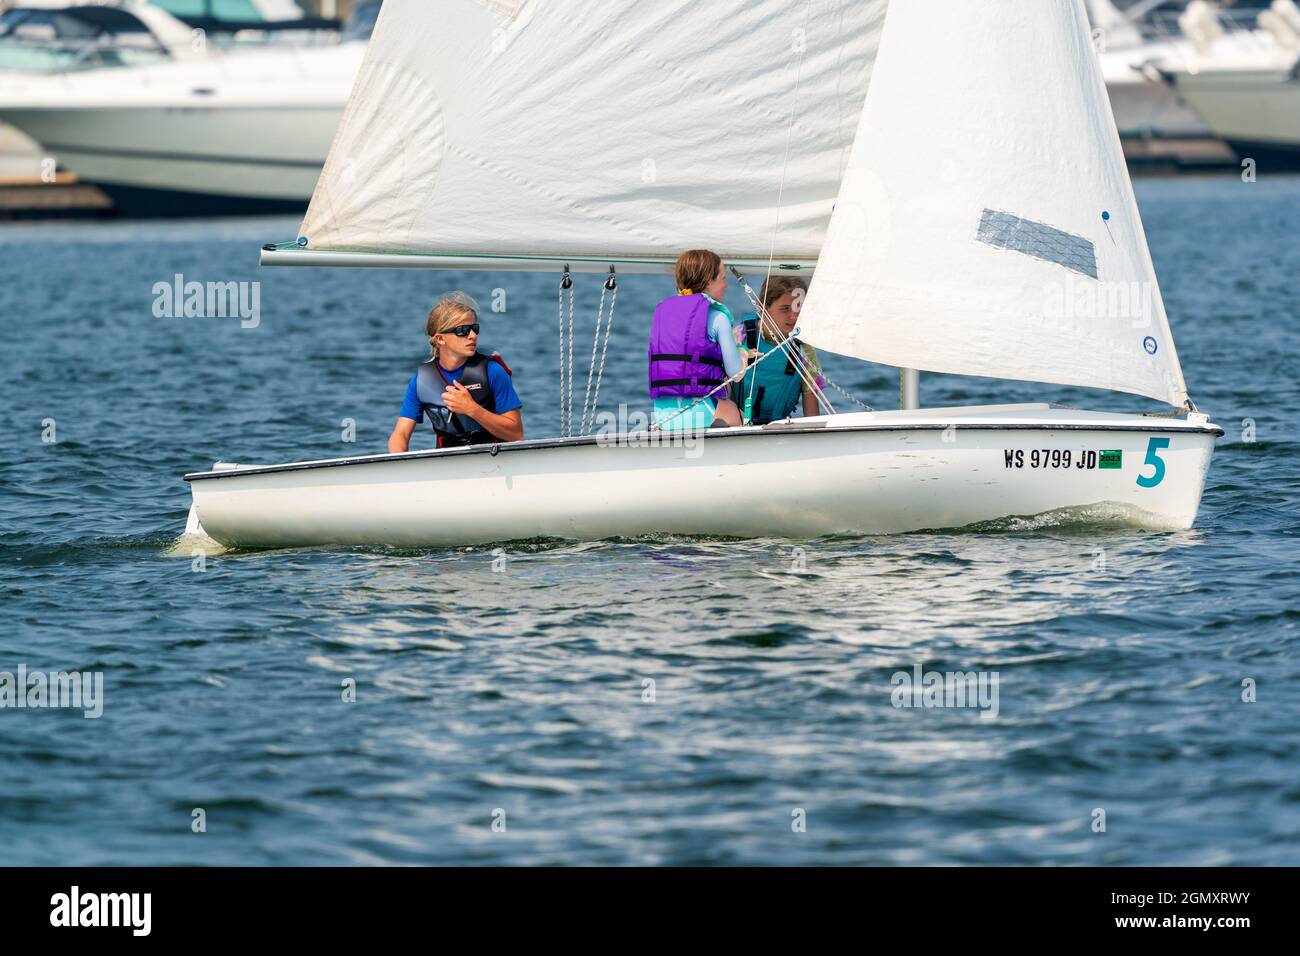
point(452, 428)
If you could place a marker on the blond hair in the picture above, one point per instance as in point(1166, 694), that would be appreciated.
point(696, 269)
point(451, 310)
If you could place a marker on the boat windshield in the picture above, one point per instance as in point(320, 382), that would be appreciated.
point(75, 38)
point(215, 9)
point(242, 23)
point(1161, 22)
point(362, 21)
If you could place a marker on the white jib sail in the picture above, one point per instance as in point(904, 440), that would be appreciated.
point(986, 224)
point(624, 128)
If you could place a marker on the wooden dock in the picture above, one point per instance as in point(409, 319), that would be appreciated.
point(62, 196)
point(1152, 156)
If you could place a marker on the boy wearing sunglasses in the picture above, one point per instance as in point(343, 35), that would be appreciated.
point(468, 395)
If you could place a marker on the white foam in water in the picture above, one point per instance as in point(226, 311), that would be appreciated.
point(194, 540)
point(1105, 514)
point(190, 545)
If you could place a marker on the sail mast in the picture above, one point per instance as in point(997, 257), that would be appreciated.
point(909, 388)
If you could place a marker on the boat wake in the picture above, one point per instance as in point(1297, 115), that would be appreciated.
point(1094, 517)
point(194, 541)
point(1102, 516)
point(191, 544)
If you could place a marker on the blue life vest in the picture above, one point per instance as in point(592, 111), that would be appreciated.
point(778, 387)
point(452, 428)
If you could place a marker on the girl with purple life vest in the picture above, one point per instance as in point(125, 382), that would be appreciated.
point(693, 349)
point(467, 394)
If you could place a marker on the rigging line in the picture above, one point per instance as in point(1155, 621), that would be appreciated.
point(559, 298)
point(794, 351)
point(800, 359)
point(787, 344)
point(749, 395)
point(565, 283)
point(785, 161)
point(811, 373)
point(846, 393)
point(568, 396)
point(612, 284)
point(591, 368)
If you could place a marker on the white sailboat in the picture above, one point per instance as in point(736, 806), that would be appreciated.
point(960, 191)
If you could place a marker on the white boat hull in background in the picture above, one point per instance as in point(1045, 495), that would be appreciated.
point(1144, 104)
point(1159, 124)
point(20, 157)
point(1150, 109)
point(879, 472)
point(190, 160)
point(224, 134)
point(1255, 111)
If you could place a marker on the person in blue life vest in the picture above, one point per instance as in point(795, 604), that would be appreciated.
point(693, 349)
point(468, 395)
point(777, 385)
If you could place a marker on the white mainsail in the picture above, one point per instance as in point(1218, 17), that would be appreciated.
point(504, 128)
point(986, 224)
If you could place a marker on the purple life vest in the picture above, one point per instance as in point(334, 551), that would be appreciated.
point(684, 362)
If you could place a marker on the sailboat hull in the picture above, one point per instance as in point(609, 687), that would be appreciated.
point(867, 473)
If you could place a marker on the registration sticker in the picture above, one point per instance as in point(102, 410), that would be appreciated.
point(1110, 458)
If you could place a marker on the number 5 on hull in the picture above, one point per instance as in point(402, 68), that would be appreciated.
point(1154, 447)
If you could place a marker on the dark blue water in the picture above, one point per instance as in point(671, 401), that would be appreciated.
point(520, 686)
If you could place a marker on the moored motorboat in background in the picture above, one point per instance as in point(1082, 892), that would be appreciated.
point(1249, 96)
point(1144, 64)
point(200, 128)
point(1144, 105)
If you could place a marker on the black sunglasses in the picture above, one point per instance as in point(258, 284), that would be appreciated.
point(461, 331)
